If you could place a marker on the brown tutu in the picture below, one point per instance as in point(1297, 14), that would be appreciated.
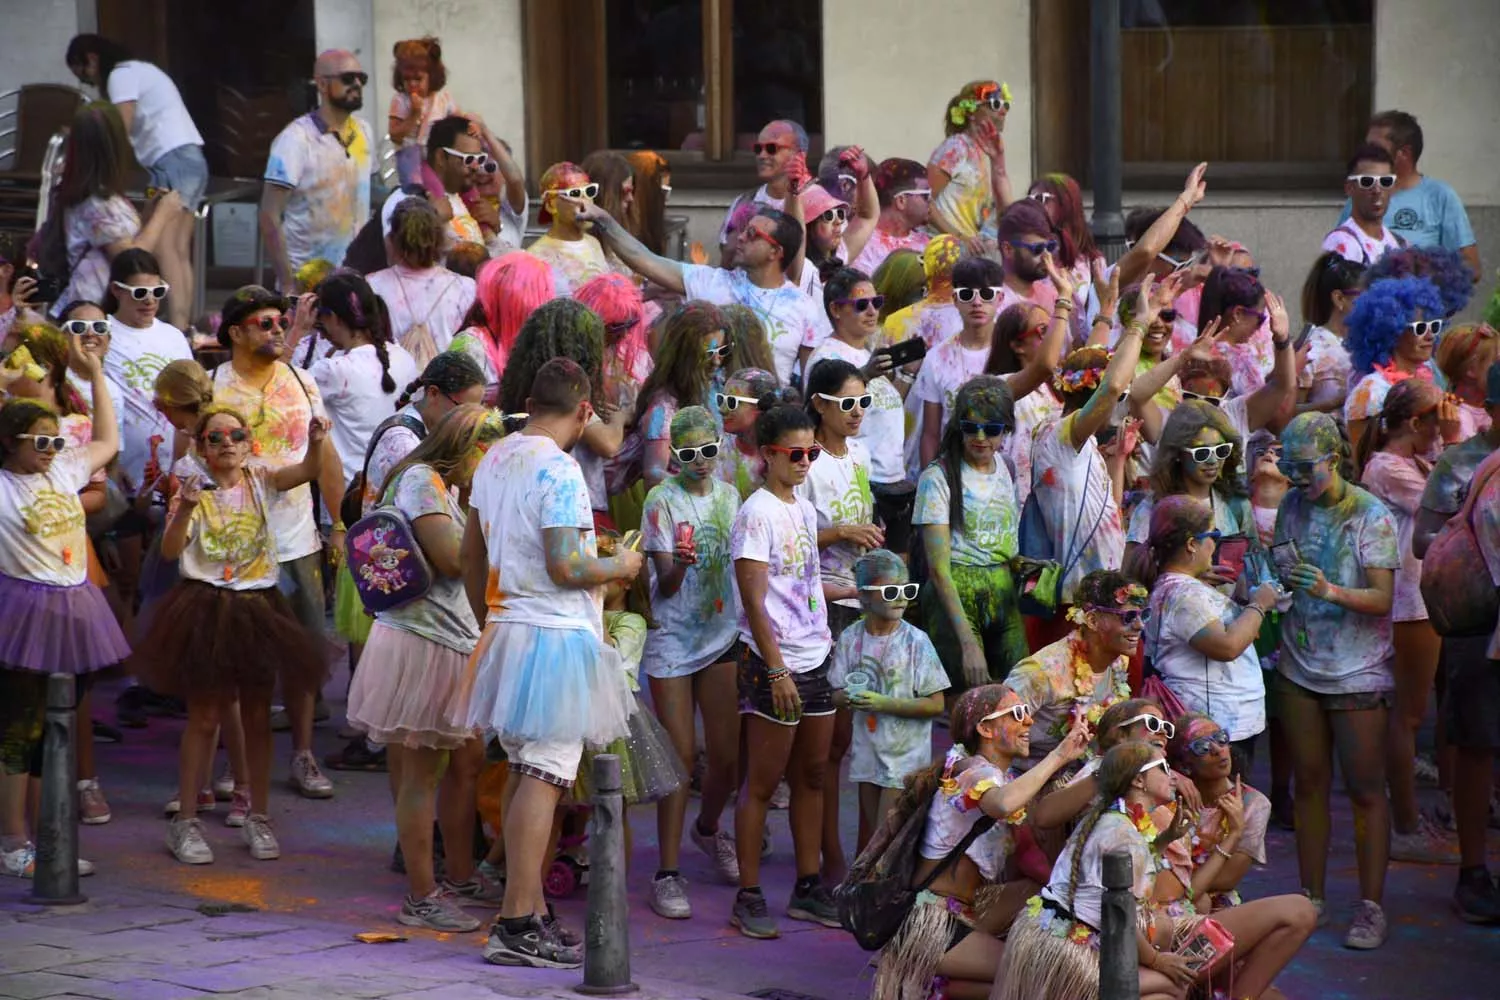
point(207, 641)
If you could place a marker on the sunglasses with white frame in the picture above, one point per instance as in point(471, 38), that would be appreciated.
point(1154, 724)
point(1019, 711)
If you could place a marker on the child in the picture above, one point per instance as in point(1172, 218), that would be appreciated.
point(421, 98)
point(1267, 486)
point(888, 671)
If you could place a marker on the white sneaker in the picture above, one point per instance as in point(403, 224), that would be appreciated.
point(719, 847)
point(262, 841)
point(224, 784)
point(185, 841)
point(669, 898)
point(306, 777)
point(20, 863)
point(85, 868)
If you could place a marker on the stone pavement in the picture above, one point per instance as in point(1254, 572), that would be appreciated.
point(141, 937)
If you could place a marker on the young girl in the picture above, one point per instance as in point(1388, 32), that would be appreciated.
point(953, 931)
point(786, 703)
point(427, 302)
point(56, 620)
point(225, 631)
point(1328, 296)
point(693, 347)
point(887, 671)
point(689, 655)
point(1020, 338)
point(966, 511)
point(738, 405)
point(421, 98)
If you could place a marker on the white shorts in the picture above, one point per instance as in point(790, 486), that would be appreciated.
point(553, 761)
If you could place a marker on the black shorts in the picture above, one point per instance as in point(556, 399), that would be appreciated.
point(755, 689)
point(1471, 703)
point(894, 503)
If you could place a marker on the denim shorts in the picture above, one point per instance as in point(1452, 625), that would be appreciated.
point(183, 170)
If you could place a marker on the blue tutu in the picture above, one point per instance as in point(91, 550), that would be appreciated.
point(539, 684)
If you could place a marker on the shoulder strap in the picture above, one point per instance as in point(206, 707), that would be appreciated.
point(981, 826)
point(1468, 513)
point(406, 420)
point(1076, 553)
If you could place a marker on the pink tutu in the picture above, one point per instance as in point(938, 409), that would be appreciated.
point(66, 630)
point(410, 691)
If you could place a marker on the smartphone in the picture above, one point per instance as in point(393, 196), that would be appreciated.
point(48, 288)
point(1286, 557)
point(905, 352)
point(1231, 552)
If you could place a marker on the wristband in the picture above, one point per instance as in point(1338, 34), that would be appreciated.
point(1062, 303)
point(339, 526)
point(1101, 318)
point(1281, 345)
point(778, 675)
point(1134, 327)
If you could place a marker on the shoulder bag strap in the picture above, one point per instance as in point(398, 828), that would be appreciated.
point(981, 826)
point(394, 420)
point(1076, 554)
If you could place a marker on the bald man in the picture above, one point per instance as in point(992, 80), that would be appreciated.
point(317, 193)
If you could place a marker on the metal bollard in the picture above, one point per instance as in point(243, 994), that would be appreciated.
point(606, 938)
point(1119, 963)
point(55, 882)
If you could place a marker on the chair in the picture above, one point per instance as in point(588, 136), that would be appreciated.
point(42, 110)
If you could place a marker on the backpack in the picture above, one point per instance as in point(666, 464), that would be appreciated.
point(877, 895)
point(353, 506)
point(386, 559)
point(1456, 582)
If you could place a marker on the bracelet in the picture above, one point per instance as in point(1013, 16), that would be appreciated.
point(1101, 318)
point(339, 526)
point(1281, 345)
point(773, 676)
point(1256, 608)
point(1219, 850)
point(1062, 303)
point(1134, 327)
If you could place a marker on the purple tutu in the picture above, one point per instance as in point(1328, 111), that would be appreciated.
point(65, 630)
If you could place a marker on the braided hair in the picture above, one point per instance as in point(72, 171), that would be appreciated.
point(449, 373)
point(1117, 770)
point(350, 298)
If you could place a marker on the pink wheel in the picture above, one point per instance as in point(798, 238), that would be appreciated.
point(561, 879)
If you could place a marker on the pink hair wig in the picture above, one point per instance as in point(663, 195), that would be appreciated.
point(617, 300)
point(510, 289)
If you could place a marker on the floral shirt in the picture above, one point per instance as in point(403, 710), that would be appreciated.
point(967, 202)
point(573, 262)
point(442, 615)
point(328, 176)
point(991, 514)
point(1398, 482)
point(784, 536)
point(1058, 684)
point(42, 534)
point(695, 625)
point(955, 810)
point(88, 228)
point(230, 544)
point(904, 664)
point(839, 488)
point(1232, 693)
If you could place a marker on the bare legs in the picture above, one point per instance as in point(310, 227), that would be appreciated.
point(835, 866)
point(713, 691)
point(175, 252)
point(417, 772)
point(801, 753)
point(1418, 651)
point(530, 809)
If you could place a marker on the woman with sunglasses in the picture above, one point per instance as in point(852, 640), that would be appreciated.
point(786, 703)
point(224, 632)
point(950, 943)
point(1463, 357)
point(836, 233)
point(1396, 457)
point(749, 347)
point(1236, 298)
point(57, 620)
point(90, 324)
point(1334, 684)
point(573, 254)
point(692, 349)
point(1019, 341)
point(1390, 333)
point(507, 291)
point(967, 172)
point(1201, 642)
point(689, 655)
point(746, 394)
point(1328, 296)
point(427, 302)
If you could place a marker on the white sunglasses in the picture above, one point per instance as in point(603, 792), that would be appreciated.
point(847, 403)
point(729, 403)
point(1019, 712)
point(589, 191)
point(1368, 181)
point(1153, 725)
point(470, 159)
point(1160, 762)
point(142, 292)
point(894, 591)
point(79, 327)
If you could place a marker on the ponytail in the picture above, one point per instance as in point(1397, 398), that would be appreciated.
point(387, 384)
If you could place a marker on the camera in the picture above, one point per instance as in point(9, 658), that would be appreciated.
point(48, 288)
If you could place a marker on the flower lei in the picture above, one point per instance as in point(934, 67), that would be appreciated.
point(1083, 686)
point(1200, 847)
point(1396, 376)
point(949, 788)
point(1140, 818)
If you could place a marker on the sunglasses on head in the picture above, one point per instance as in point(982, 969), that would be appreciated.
point(470, 159)
point(350, 79)
point(589, 191)
point(1154, 724)
point(1214, 401)
point(1425, 327)
point(796, 455)
point(1160, 762)
point(894, 591)
point(835, 214)
point(1203, 454)
point(1129, 617)
point(1046, 246)
point(236, 436)
point(45, 443)
point(1367, 181)
point(985, 294)
point(1019, 711)
point(873, 303)
point(686, 456)
point(79, 327)
point(847, 403)
point(991, 428)
point(143, 292)
point(998, 103)
point(729, 403)
point(767, 148)
point(1204, 745)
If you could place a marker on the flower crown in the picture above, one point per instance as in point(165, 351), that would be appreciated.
point(966, 106)
point(1078, 379)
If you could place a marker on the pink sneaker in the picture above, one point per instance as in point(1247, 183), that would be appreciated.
point(93, 810)
point(239, 808)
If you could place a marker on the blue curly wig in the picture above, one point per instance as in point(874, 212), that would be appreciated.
point(1380, 316)
point(1445, 269)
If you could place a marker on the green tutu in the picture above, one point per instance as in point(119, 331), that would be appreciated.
point(626, 508)
point(349, 618)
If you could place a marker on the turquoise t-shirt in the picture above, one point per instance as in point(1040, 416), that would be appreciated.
point(1428, 215)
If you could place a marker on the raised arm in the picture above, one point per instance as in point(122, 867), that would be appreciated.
point(291, 476)
point(105, 442)
point(1274, 403)
point(654, 267)
point(1045, 362)
point(1155, 240)
point(1014, 795)
point(1117, 377)
point(515, 180)
point(866, 207)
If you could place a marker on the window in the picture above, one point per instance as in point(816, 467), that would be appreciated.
point(693, 79)
point(1275, 93)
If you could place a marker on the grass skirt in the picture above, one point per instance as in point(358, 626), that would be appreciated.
point(212, 642)
point(650, 769)
point(49, 629)
point(349, 617)
point(539, 684)
point(909, 961)
point(410, 691)
point(1046, 960)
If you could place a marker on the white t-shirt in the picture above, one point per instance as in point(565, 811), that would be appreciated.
point(574, 262)
point(1350, 242)
point(395, 444)
point(134, 359)
point(839, 489)
point(991, 514)
point(427, 307)
point(229, 539)
point(945, 370)
point(349, 383)
point(903, 664)
point(524, 485)
point(1233, 694)
point(1073, 489)
point(161, 123)
point(1113, 832)
point(42, 533)
point(791, 320)
point(884, 427)
point(693, 626)
point(784, 536)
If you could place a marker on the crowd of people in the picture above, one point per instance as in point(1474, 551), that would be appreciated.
point(911, 456)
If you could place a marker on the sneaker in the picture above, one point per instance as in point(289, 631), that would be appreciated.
point(1476, 898)
point(103, 732)
point(669, 898)
point(280, 720)
point(1367, 929)
point(185, 841)
point(1321, 906)
point(206, 803)
point(533, 946)
point(437, 911)
point(752, 916)
point(85, 868)
point(560, 933)
point(782, 797)
point(1425, 771)
point(494, 873)
point(719, 846)
point(261, 838)
point(816, 906)
point(20, 863)
point(224, 784)
point(477, 891)
point(239, 808)
point(307, 778)
point(357, 756)
point(92, 809)
point(1426, 845)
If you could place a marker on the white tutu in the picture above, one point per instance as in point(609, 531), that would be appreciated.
point(533, 684)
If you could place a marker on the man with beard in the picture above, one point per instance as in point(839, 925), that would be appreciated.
point(1025, 234)
point(317, 191)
